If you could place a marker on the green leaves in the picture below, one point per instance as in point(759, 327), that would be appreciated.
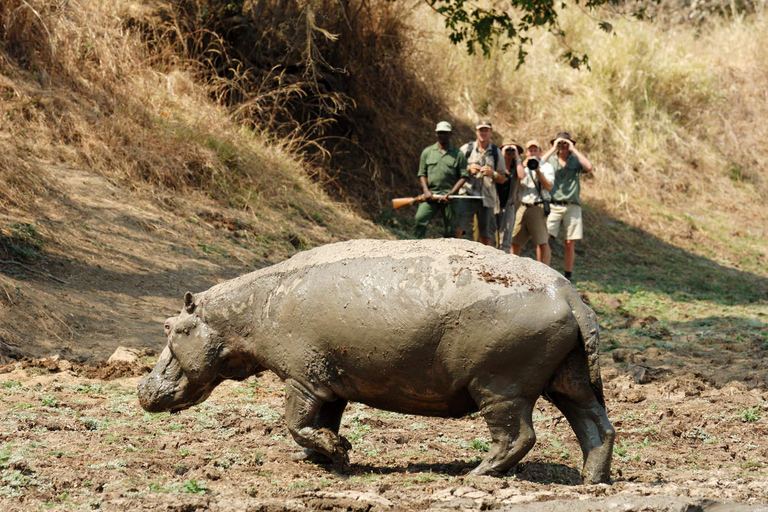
point(507, 24)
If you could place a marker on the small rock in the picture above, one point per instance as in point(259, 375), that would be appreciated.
point(668, 413)
point(612, 303)
point(640, 374)
point(124, 354)
point(632, 396)
point(621, 355)
point(461, 491)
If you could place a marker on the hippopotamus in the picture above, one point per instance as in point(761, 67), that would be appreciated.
point(430, 327)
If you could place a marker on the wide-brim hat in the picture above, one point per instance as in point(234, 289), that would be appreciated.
point(484, 124)
point(443, 126)
point(518, 146)
point(562, 135)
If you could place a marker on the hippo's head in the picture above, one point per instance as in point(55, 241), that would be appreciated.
point(193, 363)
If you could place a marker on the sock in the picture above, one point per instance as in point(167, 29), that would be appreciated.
point(568, 275)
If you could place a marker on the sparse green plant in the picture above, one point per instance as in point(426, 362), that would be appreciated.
point(480, 445)
point(358, 431)
point(750, 414)
point(425, 478)
point(50, 401)
point(193, 487)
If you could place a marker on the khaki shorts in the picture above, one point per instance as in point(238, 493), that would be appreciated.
point(530, 222)
point(568, 216)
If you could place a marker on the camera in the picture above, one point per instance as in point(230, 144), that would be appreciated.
point(532, 164)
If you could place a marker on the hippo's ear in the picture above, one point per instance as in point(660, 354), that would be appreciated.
point(189, 302)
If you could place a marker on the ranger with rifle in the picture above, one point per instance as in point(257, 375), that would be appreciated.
point(442, 172)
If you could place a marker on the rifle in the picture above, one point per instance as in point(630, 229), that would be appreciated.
point(399, 202)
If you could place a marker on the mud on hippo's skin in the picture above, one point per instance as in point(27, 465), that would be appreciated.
point(432, 327)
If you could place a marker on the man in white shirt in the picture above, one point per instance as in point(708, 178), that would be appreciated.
point(533, 191)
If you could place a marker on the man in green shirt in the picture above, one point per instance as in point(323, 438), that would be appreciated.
point(442, 171)
point(569, 165)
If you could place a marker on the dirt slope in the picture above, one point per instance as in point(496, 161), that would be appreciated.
point(114, 265)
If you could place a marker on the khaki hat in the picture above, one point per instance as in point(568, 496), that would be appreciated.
point(532, 142)
point(443, 126)
point(562, 135)
point(484, 124)
point(518, 146)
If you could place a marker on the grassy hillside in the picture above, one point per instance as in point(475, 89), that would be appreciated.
point(181, 143)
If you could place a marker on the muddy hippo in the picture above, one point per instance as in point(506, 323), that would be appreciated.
point(433, 327)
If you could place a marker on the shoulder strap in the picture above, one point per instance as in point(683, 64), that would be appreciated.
point(495, 150)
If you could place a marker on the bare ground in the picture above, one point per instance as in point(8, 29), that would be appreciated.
point(689, 404)
point(75, 442)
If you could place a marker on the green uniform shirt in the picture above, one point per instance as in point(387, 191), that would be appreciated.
point(566, 186)
point(442, 170)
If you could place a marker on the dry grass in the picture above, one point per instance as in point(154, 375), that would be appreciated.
point(672, 116)
point(96, 96)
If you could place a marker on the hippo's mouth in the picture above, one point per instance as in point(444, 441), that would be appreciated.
point(166, 387)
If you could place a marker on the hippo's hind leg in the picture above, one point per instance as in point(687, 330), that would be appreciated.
point(314, 423)
point(509, 419)
point(571, 392)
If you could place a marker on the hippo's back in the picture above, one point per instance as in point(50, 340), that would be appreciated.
point(365, 317)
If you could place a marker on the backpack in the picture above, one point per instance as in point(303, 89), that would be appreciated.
point(491, 146)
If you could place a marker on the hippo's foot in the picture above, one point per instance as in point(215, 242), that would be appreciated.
point(340, 455)
point(485, 469)
point(308, 455)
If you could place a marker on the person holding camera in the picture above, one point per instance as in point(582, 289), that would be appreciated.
point(486, 166)
point(507, 191)
point(569, 164)
point(442, 171)
point(531, 221)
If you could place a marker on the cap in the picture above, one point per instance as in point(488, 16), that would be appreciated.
point(484, 124)
point(532, 142)
point(443, 126)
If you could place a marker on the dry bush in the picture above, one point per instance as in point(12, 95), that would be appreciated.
point(332, 79)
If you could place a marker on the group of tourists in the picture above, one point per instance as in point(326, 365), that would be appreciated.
point(516, 193)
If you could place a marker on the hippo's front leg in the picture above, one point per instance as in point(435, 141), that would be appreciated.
point(301, 408)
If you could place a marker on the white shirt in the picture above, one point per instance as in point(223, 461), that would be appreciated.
point(527, 191)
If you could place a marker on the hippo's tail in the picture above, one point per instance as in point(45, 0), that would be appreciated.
point(589, 335)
